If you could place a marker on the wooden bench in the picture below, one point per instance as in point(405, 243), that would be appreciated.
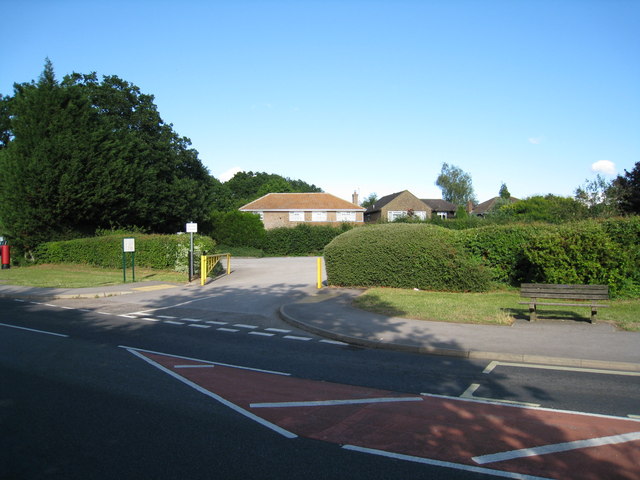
point(588, 294)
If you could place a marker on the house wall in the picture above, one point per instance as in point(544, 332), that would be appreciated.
point(281, 219)
point(404, 202)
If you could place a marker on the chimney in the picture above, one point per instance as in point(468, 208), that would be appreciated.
point(354, 198)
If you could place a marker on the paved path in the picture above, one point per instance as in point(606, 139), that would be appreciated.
point(286, 287)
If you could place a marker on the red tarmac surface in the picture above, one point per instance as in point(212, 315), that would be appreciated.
point(441, 429)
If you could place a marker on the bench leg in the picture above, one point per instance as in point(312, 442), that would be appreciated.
point(594, 310)
point(532, 312)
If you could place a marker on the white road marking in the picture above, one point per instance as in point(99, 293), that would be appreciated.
point(212, 322)
point(333, 342)
point(197, 387)
point(68, 308)
point(198, 326)
point(104, 313)
point(497, 363)
point(166, 316)
point(293, 337)
point(34, 330)
point(191, 319)
point(468, 393)
point(172, 322)
point(193, 366)
point(49, 305)
point(635, 417)
point(19, 300)
point(149, 319)
point(232, 330)
point(242, 325)
point(439, 463)
point(557, 447)
point(331, 403)
point(278, 330)
point(263, 334)
point(127, 316)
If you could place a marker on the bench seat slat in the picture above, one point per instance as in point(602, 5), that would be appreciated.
point(566, 304)
point(587, 294)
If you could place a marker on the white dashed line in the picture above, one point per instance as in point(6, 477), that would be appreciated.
point(263, 334)
point(191, 319)
point(333, 342)
point(233, 330)
point(293, 337)
point(149, 319)
point(242, 325)
point(166, 316)
point(213, 322)
point(172, 322)
point(104, 313)
point(127, 316)
point(19, 300)
point(198, 326)
point(278, 330)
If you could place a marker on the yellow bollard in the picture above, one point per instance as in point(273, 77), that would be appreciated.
point(319, 272)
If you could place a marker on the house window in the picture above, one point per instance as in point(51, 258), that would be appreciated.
point(318, 216)
point(421, 214)
point(442, 215)
point(346, 216)
point(393, 214)
point(296, 216)
point(260, 214)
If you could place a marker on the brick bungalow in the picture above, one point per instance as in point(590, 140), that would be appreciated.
point(291, 209)
point(396, 205)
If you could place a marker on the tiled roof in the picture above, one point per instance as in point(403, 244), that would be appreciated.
point(300, 201)
point(383, 201)
point(484, 207)
point(439, 205)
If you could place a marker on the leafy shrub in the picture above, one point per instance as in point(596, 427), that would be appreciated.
point(404, 256)
point(239, 229)
point(501, 249)
point(152, 251)
point(300, 240)
point(581, 253)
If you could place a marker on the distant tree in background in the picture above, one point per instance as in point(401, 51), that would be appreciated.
point(628, 191)
point(245, 187)
point(369, 201)
point(599, 196)
point(456, 185)
point(81, 155)
point(504, 192)
point(550, 208)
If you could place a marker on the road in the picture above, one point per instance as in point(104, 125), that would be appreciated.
point(148, 387)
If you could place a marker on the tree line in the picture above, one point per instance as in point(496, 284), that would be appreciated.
point(85, 154)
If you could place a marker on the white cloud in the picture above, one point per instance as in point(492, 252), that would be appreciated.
point(606, 167)
point(535, 140)
point(228, 175)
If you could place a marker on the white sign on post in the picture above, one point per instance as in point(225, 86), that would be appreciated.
point(192, 228)
point(128, 245)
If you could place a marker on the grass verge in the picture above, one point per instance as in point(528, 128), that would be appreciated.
point(80, 276)
point(489, 308)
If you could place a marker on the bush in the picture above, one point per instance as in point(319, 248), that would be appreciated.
point(163, 252)
point(238, 229)
point(581, 253)
point(403, 256)
point(301, 240)
point(501, 249)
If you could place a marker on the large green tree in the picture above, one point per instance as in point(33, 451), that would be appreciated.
point(456, 185)
point(83, 154)
point(627, 188)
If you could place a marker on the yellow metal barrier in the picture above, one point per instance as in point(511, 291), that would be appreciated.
point(208, 262)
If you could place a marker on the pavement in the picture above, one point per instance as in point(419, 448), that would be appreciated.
point(329, 313)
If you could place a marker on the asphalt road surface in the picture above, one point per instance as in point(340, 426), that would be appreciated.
point(149, 387)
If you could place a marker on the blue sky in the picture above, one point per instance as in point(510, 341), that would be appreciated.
point(366, 95)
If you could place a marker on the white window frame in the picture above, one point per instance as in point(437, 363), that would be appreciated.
point(296, 216)
point(442, 215)
point(393, 214)
point(345, 216)
point(318, 216)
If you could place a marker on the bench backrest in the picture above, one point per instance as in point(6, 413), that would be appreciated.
point(566, 292)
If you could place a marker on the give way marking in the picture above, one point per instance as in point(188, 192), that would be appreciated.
point(518, 442)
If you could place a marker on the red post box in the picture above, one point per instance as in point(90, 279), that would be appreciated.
point(5, 253)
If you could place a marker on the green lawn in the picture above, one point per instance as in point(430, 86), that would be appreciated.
point(490, 308)
point(77, 276)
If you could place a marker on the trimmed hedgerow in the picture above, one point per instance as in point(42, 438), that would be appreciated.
point(164, 252)
point(239, 229)
point(403, 256)
point(300, 240)
point(577, 253)
point(501, 249)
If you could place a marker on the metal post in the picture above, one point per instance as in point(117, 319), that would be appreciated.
point(191, 258)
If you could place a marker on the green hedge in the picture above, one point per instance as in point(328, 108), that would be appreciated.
point(403, 256)
point(239, 229)
point(300, 240)
point(163, 252)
